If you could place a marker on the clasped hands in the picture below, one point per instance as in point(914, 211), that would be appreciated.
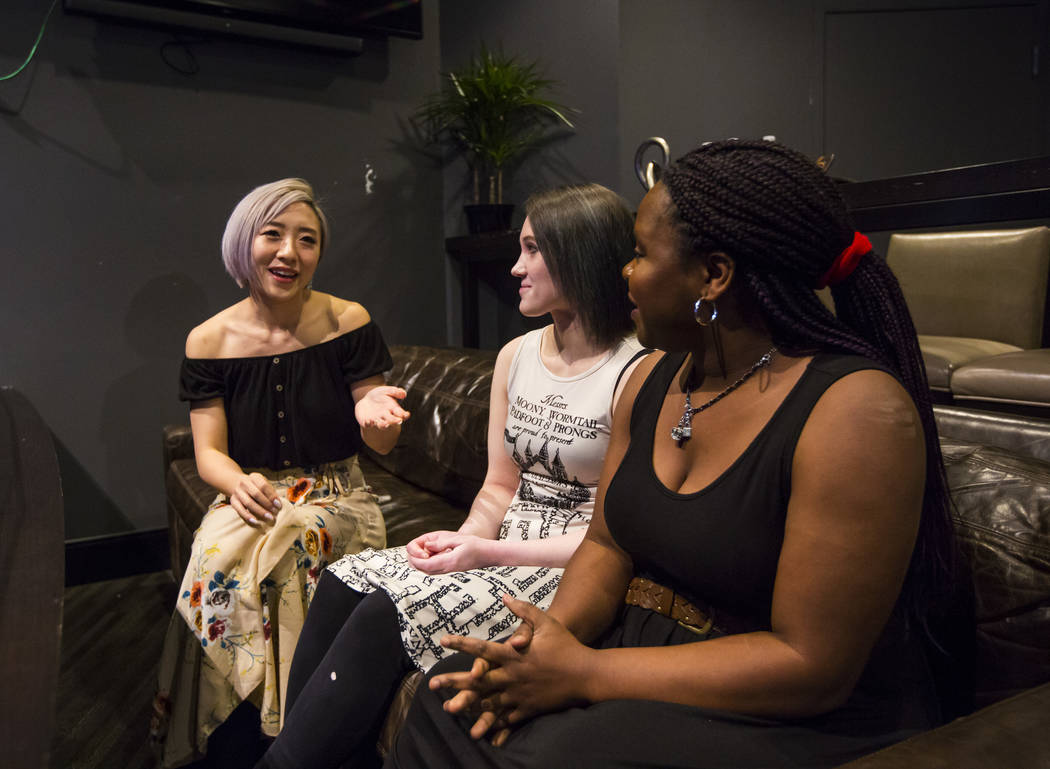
point(441, 552)
point(540, 668)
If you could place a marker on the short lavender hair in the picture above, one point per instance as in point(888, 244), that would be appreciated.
point(257, 208)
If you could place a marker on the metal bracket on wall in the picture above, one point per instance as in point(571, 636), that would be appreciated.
point(649, 174)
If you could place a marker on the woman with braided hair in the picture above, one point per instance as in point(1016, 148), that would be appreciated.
point(771, 536)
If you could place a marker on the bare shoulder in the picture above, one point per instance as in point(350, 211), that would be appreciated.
point(623, 400)
point(640, 371)
point(627, 374)
point(861, 415)
point(345, 315)
point(208, 340)
point(501, 371)
point(866, 395)
point(508, 351)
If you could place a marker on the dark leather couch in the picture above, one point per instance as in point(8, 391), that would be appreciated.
point(998, 468)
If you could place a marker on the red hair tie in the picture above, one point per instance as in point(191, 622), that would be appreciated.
point(845, 262)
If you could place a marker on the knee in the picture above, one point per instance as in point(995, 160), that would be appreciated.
point(307, 524)
point(454, 663)
point(298, 516)
point(376, 610)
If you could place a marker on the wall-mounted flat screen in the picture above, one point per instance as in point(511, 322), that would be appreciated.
point(330, 23)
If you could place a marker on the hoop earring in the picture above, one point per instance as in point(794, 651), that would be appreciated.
point(716, 335)
point(698, 312)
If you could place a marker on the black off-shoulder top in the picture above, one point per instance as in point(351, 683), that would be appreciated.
point(294, 409)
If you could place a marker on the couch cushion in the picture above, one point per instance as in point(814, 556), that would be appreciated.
point(1020, 378)
point(443, 446)
point(1002, 522)
point(942, 355)
point(407, 509)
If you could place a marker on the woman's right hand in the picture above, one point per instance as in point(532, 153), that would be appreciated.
point(541, 668)
point(255, 500)
point(440, 552)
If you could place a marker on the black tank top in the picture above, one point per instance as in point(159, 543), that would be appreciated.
point(718, 546)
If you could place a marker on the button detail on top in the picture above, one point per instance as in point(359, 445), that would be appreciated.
point(280, 415)
point(283, 439)
point(280, 388)
point(276, 361)
point(287, 462)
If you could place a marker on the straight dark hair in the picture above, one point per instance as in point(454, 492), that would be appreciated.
point(586, 235)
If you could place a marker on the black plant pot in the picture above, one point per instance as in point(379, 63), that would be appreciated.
point(488, 217)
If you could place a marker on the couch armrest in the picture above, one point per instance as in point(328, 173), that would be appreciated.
point(1012, 732)
point(178, 444)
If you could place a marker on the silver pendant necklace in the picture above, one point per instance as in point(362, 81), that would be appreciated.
point(683, 431)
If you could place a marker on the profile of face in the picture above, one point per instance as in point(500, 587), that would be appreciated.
point(661, 287)
point(538, 295)
point(285, 252)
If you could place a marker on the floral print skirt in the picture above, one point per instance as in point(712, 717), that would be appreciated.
point(244, 598)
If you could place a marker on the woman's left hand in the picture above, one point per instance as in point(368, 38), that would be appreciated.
point(540, 668)
point(440, 552)
point(379, 407)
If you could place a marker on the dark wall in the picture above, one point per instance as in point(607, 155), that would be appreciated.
point(886, 87)
point(700, 70)
point(122, 155)
point(576, 44)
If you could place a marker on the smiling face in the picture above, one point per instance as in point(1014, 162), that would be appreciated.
point(537, 295)
point(662, 286)
point(285, 252)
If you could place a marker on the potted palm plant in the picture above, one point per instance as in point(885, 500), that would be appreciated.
point(493, 111)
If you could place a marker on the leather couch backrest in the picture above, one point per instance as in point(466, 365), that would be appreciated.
point(981, 285)
point(1025, 436)
point(1002, 525)
point(443, 446)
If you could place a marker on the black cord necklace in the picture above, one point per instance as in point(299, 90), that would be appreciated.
point(683, 431)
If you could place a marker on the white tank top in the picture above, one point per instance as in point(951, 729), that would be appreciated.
point(557, 432)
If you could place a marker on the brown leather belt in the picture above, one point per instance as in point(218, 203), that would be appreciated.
point(663, 600)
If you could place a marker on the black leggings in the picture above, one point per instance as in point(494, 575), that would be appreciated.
point(347, 667)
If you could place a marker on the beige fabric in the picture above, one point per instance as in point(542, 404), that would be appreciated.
point(978, 285)
point(244, 599)
point(944, 354)
point(1021, 378)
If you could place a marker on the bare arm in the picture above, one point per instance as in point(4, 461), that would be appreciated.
point(376, 407)
point(477, 537)
point(857, 487)
point(436, 552)
point(596, 578)
point(378, 412)
point(252, 496)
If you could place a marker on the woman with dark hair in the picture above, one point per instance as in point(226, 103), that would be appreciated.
point(378, 615)
point(771, 538)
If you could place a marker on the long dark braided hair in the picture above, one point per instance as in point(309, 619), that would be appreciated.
point(781, 219)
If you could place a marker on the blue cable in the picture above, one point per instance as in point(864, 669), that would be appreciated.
point(32, 51)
